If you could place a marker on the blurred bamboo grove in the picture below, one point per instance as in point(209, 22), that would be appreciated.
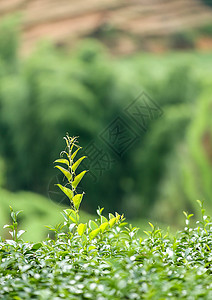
point(83, 92)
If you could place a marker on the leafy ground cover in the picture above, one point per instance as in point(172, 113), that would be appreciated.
point(104, 258)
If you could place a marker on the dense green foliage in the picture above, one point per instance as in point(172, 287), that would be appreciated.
point(103, 258)
point(108, 262)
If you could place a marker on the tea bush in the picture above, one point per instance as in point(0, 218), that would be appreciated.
point(104, 258)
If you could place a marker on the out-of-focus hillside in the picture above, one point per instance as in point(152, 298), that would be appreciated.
point(124, 26)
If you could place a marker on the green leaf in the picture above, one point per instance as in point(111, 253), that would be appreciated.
point(78, 178)
point(200, 203)
point(117, 217)
point(36, 247)
point(147, 233)
point(103, 226)
point(94, 233)
point(92, 247)
point(64, 152)
point(123, 224)
point(76, 164)
point(66, 191)
point(74, 154)
point(112, 221)
point(65, 172)
point(103, 219)
point(111, 216)
point(84, 239)
point(99, 211)
point(8, 226)
point(62, 161)
point(209, 249)
point(20, 232)
point(185, 214)
point(67, 142)
point(152, 226)
point(92, 225)
point(81, 229)
point(77, 199)
point(73, 215)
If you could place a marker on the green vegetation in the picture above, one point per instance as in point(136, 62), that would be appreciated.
point(206, 30)
point(69, 172)
point(38, 212)
point(103, 258)
point(112, 264)
point(52, 91)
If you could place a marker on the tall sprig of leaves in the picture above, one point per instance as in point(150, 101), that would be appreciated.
point(90, 230)
point(69, 171)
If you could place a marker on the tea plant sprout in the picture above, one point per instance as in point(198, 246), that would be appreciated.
point(67, 159)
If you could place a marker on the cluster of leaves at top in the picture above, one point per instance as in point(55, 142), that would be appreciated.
point(104, 259)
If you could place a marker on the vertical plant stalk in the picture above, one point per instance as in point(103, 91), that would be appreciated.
point(69, 171)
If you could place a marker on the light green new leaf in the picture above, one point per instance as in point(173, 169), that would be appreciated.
point(123, 224)
point(67, 143)
point(200, 203)
point(78, 178)
point(8, 226)
point(20, 232)
point(77, 199)
point(152, 226)
point(146, 232)
point(92, 225)
point(117, 217)
point(73, 215)
point(62, 161)
point(111, 216)
point(112, 221)
point(81, 229)
point(103, 219)
point(94, 233)
point(90, 248)
point(84, 239)
point(66, 191)
point(75, 153)
point(103, 226)
point(76, 164)
point(65, 172)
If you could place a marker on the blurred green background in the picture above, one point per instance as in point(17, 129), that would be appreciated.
point(81, 90)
